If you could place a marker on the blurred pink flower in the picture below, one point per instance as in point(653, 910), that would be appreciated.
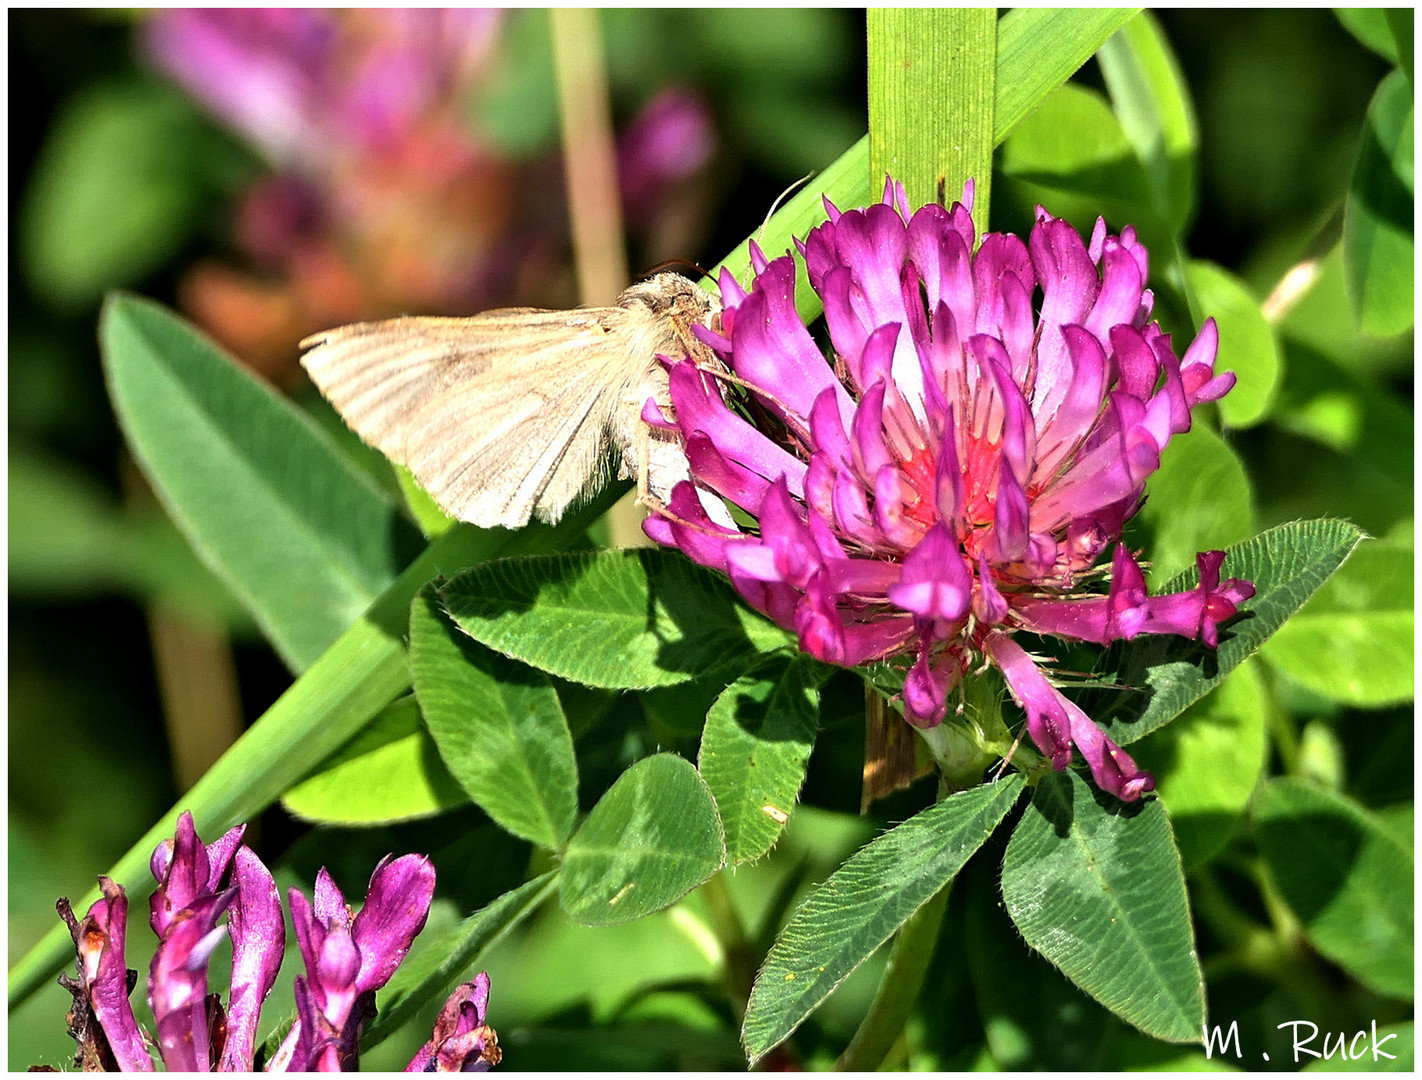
point(382, 199)
point(670, 141)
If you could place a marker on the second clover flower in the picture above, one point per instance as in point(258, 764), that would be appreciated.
point(955, 472)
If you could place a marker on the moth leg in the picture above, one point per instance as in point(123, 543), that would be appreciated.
point(1002, 768)
point(644, 463)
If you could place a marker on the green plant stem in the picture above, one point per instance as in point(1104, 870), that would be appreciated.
point(589, 154)
point(731, 932)
point(909, 957)
point(1283, 731)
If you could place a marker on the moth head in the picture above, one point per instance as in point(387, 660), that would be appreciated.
point(671, 295)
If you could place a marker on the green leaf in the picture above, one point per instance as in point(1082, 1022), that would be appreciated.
point(515, 111)
point(1377, 216)
point(431, 519)
point(1287, 565)
point(651, 839)
point(432, 967)
point(1152, 101)
point(498, 726)
point(1037, 51)
point(1370, 26)
point(303, 539)
point(620, 619)
point(841, 924)
point(1353, 642)
point(1331, 394)
point(754, 750)
point(1400, 21)
point(1096, 887)
point(931, 99)
point(123, 176)
point(1247, 345)
point(1346, 877)
point(70, 538)
point(1032, 1018)
point(1323, 324)
point(1075, 154)
point(1207, 762)
point(391, 771)
point(1200, 500)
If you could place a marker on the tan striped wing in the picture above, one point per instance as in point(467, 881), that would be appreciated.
point(501, 417)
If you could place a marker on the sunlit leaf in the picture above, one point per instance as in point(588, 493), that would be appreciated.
point(1287, 565)
point(1247, 345)
point(755, 748)
point(1207, 762)
point(1354, 641)
point(633, 618)
point(863, 903)
point(1153, 104)
point(391, 771)
point(303, 538)
point(1096, 887)
point(498, 725)
point(651, 839)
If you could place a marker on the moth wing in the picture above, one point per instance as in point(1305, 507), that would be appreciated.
point(499, 417)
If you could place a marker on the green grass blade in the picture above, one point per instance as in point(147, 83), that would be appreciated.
point(1037, 51)
point(931, 100)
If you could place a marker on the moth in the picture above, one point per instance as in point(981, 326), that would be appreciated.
point(518, 413)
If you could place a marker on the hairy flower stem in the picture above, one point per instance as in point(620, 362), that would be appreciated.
point(899, 987)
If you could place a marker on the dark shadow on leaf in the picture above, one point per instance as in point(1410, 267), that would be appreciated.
point(760, 718)
point(1377, 185)
point(1319, 849)
point(1055, 797)
point(505, 670)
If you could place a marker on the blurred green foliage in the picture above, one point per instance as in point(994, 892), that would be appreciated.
point(1291, 144)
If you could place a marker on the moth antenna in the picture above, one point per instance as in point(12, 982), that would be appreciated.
point(780, 199)
point(668, 264)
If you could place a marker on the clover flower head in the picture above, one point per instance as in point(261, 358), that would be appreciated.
point(952, 474)
point(347, 960)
